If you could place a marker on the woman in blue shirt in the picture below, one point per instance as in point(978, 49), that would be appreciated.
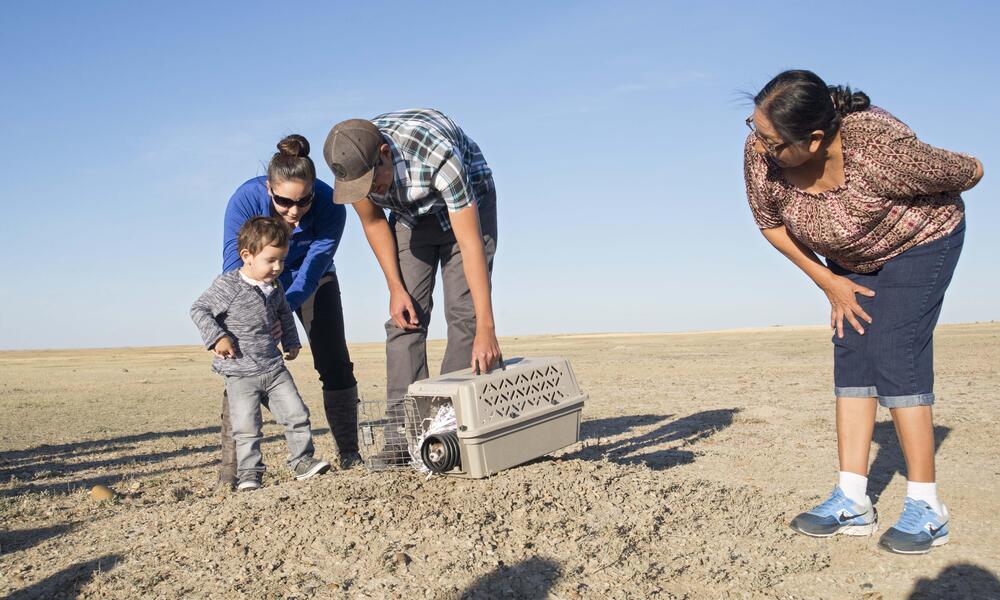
point(291, 191)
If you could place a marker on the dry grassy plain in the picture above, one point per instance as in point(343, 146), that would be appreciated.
point(697, 450)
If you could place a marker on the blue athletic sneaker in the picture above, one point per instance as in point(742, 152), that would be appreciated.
point(917, 530)
point(838, 514)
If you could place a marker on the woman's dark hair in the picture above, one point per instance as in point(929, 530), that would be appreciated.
point(292, 161)
point(798, 103)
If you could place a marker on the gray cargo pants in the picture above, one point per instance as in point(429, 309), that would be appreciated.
point(421, 250)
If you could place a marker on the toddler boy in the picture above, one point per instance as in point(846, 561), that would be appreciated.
point(235, 317)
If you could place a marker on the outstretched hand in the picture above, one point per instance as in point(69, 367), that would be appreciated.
point(841, 291)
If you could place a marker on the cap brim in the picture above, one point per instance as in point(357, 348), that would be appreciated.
point(349, 192)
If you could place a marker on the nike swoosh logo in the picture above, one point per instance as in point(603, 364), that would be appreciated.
point(847, 517)
point(934, 530)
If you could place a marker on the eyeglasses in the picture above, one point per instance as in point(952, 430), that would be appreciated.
point(302, 202)
point(770, 148)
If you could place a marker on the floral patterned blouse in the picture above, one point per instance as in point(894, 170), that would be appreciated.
point(898, 193)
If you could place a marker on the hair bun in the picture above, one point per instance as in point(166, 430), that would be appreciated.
point(294, 145)
point(846, 101)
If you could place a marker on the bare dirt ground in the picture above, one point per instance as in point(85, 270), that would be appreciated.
point(697, 450)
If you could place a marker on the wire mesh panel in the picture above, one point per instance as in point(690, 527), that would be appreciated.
point(388, 433)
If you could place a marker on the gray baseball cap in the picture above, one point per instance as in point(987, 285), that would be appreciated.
point(351, 151)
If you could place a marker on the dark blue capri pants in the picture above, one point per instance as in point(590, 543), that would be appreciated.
point(894, 359)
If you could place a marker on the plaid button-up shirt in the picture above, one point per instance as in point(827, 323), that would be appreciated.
point(436, 167)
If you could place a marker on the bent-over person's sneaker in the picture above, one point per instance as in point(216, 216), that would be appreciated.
point(838, 514)
point(309, 466)
point(918, 529)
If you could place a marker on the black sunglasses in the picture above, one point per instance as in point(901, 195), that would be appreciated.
point(302, 202)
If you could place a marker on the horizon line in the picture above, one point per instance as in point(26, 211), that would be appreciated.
point(598, 334)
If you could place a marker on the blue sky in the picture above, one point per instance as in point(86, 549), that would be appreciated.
point(615, 132)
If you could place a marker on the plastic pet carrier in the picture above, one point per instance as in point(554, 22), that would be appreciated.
point(470, 425)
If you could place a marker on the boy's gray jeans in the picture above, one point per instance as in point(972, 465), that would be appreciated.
point(283, 399)
point(421, 250)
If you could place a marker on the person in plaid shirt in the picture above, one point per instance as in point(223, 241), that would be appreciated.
point(432, 179)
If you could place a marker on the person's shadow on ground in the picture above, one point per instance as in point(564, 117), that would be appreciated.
point(957, 582)
point(889, 457)
point(22, 539)
point(44, 452)
point(33, 468)
point(67, 582)
point(531, 578)
point(627, 451)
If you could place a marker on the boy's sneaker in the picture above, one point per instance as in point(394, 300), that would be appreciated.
point(838, 514)
point(249, 484)
point(309, 466)
point(917, 530)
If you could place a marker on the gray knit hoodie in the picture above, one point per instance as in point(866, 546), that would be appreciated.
point(233, 307)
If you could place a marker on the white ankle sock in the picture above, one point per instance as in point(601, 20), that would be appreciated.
point(854, 487)
point(926, 492)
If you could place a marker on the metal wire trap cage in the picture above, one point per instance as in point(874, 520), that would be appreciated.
point(389, 433)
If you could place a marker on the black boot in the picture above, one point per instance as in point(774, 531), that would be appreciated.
point(341, 407)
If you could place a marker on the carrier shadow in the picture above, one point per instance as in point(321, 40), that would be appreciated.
point(627, 451)
point(889, 459)
point(531, 578)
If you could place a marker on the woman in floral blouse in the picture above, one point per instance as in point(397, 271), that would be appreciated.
point(828, 174)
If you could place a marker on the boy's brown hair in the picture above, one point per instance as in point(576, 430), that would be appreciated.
point(260, 232)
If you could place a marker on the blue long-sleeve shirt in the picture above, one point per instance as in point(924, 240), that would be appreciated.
point(311, 248)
